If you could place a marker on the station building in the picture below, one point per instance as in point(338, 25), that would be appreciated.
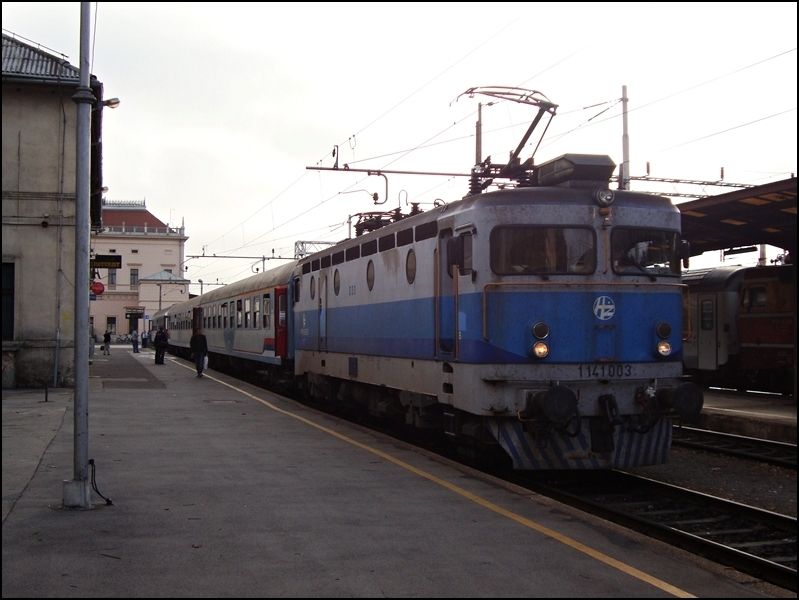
point(151, 257)
point(39, 197)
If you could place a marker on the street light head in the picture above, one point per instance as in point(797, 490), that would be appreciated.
point(111, 102)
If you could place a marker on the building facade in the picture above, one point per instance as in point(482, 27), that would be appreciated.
point(151, 254)
point(38, 229)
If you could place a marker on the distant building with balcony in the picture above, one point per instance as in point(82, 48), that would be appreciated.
point(151, 276)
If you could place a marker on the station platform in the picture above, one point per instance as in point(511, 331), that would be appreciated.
point(765, 416)
point(221, 489)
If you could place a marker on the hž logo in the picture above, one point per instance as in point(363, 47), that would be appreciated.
point(604, 308)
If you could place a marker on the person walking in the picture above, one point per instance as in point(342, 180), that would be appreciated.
point(199, 350)
point(107, 342)
point(134, 338)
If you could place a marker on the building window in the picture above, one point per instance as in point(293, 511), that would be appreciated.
point(112, 279)
point(134, 278)
point(134, 251)
point(111, 324)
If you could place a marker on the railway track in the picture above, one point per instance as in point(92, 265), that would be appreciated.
point(775, 453)
point(754, 541)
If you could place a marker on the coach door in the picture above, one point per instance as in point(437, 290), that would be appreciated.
point(197, 318)
point(707, 342)
point(281, 326)
point(445, 303)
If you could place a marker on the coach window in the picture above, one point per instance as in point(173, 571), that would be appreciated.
point(256, 312)
point(223, 316)
point(246, 313)
point(336, 282)
point(233, 314)
point(370, 275)
point(267, 311)
point(313, 287)
point(706, 316)
point(410, 266)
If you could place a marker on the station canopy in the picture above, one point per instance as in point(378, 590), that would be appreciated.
point(764, 214)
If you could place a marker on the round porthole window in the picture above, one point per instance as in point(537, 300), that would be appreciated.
point(336, 282)
point(370, 275)
point(410, 266)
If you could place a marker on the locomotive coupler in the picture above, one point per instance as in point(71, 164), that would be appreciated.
point(602, 426)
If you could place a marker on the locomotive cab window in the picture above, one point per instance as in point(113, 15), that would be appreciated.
point(542, 250)
point(649, 251)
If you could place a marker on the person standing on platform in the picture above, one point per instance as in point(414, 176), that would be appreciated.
point(107, 342)
point(199, 350)
point(134, 338)
point(160, 346)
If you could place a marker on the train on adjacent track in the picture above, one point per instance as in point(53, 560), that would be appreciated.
point(543, 321)
point(739, 327)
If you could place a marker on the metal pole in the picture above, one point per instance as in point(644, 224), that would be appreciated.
point(77, 493)
point(624, 180)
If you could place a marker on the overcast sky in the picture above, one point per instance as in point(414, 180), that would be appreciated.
point(225, 105)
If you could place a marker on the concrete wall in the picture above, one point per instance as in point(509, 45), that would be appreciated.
point(38, 203)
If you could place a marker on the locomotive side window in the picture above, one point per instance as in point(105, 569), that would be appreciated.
point(313, 287)
point(336, 282)
point(459, 252)
point(410, 266)
point(650, 251)
point(542, 250)
point(370, 275)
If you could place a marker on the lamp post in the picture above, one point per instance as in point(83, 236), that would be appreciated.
point(76, 492)
point(201, 286)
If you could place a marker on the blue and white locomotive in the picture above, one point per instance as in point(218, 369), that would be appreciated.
point(544, 319)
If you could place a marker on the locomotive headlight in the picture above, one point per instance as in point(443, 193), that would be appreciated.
point(540, 349)
point(664, 348)
point(603, 197)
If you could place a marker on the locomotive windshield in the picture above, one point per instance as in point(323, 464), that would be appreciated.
point(651, 251)
point(537, 250)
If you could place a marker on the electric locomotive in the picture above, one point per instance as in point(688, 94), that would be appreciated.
point(545, 319)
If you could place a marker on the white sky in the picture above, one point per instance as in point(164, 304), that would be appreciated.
point(224, 105)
